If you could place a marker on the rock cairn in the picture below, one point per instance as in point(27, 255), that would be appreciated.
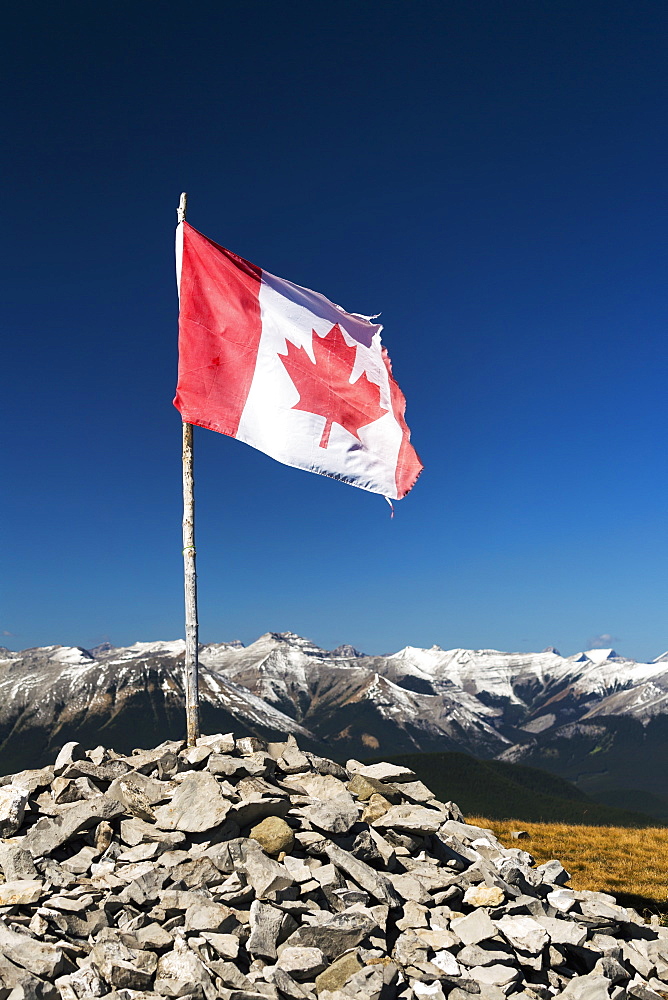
point(241, 870)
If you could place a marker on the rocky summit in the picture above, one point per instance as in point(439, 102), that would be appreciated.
point(245, 870)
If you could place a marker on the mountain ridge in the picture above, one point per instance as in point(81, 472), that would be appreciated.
point(592, 717)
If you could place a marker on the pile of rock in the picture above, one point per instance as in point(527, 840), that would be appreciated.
point(242, 870)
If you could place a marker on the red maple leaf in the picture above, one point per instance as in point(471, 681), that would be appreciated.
point(325, 388)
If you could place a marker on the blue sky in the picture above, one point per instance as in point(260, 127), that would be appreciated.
point(489, 176)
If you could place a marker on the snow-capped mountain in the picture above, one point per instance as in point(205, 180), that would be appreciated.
point(126, 696)
point(518, 706)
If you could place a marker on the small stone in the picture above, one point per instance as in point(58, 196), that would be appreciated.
point(287, 986)
point(484, 895)
point(317, 786)
point(136, 831)
point(553, 873)
point(337, 815)
point(266, 875)
point(386, 772)
point(180, 971)
point(562, 899)
point(437, 939)
point(475, 927)
point(325, 766)
point(416, 791)
point(47, 833)
point(494, 975)
point(376, 807)
point(409, 950)
point(67, 755)
point(248, 745)
point(265, 925)
point(104, 833)
point(589, 987)
point(487, 954)
point(205, 914)
point(379, 886)
point(447, 963)
point(20, 892)
point(230, 767)
point(563, 931)
point(231, 976)
point(297, 868)
point(220, 743)
point(415, 915)
point(13, 800)
point(336, 934)
point(292, 760)
point(364, 788)
point(417, 819)
point(410, 888)
point(524, 932)
point(328, 876)
point(80, 862)
point(467, 833)
point(274, 835)
point(132, 795)
point(367, 983)
point(303, 963)
point(197, 805)
point(142, 852)
point(98, 755)
point(16, 863)
point(520, 835)
point(338, 973)
point(196, 755)
point(428, 991)
point(611, 969)
point(151, 936)
point(227, 945)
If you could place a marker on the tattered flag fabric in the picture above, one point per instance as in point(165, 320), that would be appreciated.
point(287, 371)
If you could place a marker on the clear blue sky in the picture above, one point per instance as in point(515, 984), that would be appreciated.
point(490, 176)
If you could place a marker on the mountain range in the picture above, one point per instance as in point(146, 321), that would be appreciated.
point(595, 718)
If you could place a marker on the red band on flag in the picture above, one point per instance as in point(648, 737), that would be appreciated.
point(409, 465)
point(219, 333)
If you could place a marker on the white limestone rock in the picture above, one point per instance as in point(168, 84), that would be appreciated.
point(13, 801)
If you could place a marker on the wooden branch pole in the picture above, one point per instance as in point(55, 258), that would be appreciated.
point(189, 570)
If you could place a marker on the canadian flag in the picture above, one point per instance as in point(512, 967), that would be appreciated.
point(287, 371)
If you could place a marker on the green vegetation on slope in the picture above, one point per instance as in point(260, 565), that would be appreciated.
point(611, 758)
point(511, 791)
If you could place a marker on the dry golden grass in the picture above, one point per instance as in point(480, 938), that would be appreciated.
point(630, 864)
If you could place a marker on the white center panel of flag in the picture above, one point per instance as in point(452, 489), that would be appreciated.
point(293, 315)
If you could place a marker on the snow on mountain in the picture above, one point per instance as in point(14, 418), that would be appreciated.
point(127, 697)
point(476, 700)
point(482, 701)
point(72, 654)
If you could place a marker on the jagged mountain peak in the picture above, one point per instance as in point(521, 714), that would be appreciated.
point(101, 648)
point(346, 651)
point(599, 655)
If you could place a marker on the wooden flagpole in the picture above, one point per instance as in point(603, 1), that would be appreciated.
point(189, 571)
